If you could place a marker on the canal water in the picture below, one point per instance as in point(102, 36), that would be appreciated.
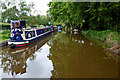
point(58, 55)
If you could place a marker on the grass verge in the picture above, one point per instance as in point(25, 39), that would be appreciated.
point(4, 35)
point(111, 38)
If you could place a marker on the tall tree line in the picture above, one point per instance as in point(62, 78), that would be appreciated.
point(84, 15)
point(20, 10)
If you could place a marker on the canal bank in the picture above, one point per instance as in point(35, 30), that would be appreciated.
point(4, 43)
point(107, 39)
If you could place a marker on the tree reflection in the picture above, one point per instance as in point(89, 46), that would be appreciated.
point(14, 61)
point(14, 64)
point(63, 46)
point(74, 56)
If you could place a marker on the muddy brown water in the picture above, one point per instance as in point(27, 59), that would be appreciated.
point(58, 55)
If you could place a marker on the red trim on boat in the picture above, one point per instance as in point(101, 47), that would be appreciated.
point(21, 48)
point(22, 45)
point(17, 48)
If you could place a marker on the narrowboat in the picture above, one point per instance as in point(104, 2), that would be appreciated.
point(60, 28)
point(22, 36)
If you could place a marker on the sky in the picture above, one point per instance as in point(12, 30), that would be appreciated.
point(40, 6)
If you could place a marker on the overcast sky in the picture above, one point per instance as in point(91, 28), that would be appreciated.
point(40, 5)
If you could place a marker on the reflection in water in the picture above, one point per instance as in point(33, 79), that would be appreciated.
point(66, 55)
point(74, 56)
point(27, 62)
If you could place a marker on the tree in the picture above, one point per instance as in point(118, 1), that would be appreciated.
point(24, 9)
point(83, 15)
point(12, 10)
point(7, 10)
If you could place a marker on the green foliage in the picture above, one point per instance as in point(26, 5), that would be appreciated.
point(12, 10)
point(115, 37)
point(20, 10)
point(5, 34)
point(97, 15)
point(102, 35)
point(5, 37)
point(67, 13)
point(5, 27)
point(38, 20)
point(104, 15)
point(4, 23)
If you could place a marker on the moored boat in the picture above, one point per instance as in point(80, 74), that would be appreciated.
point(22, 36)
point(60, 28)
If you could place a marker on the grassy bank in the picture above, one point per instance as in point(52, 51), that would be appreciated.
point(4, 35)
point(110, 38)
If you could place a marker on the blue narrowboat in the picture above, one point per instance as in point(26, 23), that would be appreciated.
point(60, 29)
point(22, 36)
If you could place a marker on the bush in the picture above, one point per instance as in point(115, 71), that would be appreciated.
point(5, 32)
point(5, 27)
point(6, 36)
point(33, 26)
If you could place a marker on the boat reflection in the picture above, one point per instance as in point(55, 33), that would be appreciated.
point(14, 61)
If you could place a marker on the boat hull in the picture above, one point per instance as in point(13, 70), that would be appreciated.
point(17, 44)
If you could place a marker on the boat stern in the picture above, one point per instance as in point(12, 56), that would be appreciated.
point(16, 44)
